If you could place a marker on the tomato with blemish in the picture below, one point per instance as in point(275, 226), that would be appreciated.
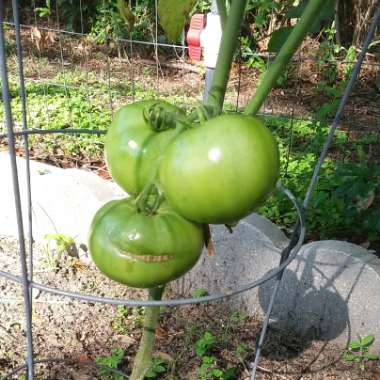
point(143, 250)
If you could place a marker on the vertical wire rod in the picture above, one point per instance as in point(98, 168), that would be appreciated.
point(16, 189)
point(26, 141)
point(284, 256)
point(326, 146)
point(156, 45)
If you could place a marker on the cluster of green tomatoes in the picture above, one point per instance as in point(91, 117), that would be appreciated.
point(182, 172)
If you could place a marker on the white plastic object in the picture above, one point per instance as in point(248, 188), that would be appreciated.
point(210, 40)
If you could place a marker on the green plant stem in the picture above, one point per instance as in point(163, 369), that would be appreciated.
point(143, 359)
point(222, 10)
point(284, 55)
point(227, 48)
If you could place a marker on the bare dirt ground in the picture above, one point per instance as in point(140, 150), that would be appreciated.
point(165, 73)
point(78, 332)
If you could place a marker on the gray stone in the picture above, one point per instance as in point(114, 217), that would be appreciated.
point(64, 200)
point(240, 258)
point(331, 291)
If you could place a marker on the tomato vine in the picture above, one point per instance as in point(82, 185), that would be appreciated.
point(182, 178)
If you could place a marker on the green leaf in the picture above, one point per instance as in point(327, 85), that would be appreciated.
point(199, 292)
point(296, 12)
point(208, 359)
point(354, 345)
point(160, 369)
point(367, 340)
point(230, 374)
point(372, 357)
point(173, 15)
point(348, 357)
point(278, 38)
point(326, 13)
point(216, 372)
point(126, 13)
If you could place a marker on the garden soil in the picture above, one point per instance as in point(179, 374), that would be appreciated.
point(78, 332)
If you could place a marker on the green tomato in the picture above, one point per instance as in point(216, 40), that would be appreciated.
point(132, 147)
point(142, 250)
point(221, 171)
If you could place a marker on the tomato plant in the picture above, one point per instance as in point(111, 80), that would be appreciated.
point(216, 173)
point(143, 250)
point(221, 171)
point(133, 146)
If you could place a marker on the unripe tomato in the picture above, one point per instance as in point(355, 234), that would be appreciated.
point(141, 250)
point(132, 146)
point(221, 171)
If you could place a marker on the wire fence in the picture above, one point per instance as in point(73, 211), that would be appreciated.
point(110, 87)
point(66, 63)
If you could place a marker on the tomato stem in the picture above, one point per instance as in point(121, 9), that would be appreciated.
point(227, 48)
point(141, 200)
point(143, 357)
point(284, 55)
point(158, 118)
point(222, 10)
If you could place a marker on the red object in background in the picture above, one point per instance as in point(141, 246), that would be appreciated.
point(193, 37)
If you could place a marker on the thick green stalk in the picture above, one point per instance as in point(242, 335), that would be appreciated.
point(227, 48)
point(222, 10)
point(285, 54)
point(143, 359)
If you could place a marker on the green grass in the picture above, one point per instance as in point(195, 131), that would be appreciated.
point(345, 203)
point(76, 99)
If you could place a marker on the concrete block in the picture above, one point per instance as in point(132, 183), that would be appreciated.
point(64, 200)
point(331, 291)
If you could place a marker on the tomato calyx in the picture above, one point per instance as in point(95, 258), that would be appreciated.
point(161, 119)
point(149, 200)
point(201, 114)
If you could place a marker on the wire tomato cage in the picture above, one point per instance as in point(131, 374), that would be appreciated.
point(26, 250)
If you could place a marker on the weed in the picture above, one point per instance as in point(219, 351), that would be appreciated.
point(345, 202)
point(209, 368)
point(138, 316)
point(127, 319)
point(158, 367)
point(119, 320)
point(191, 332)
point(113, 361)
point(58, 245)
point(200, 292)
point(357, 352)
point(204, 344)
point(241, 352)
point(238, 316)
